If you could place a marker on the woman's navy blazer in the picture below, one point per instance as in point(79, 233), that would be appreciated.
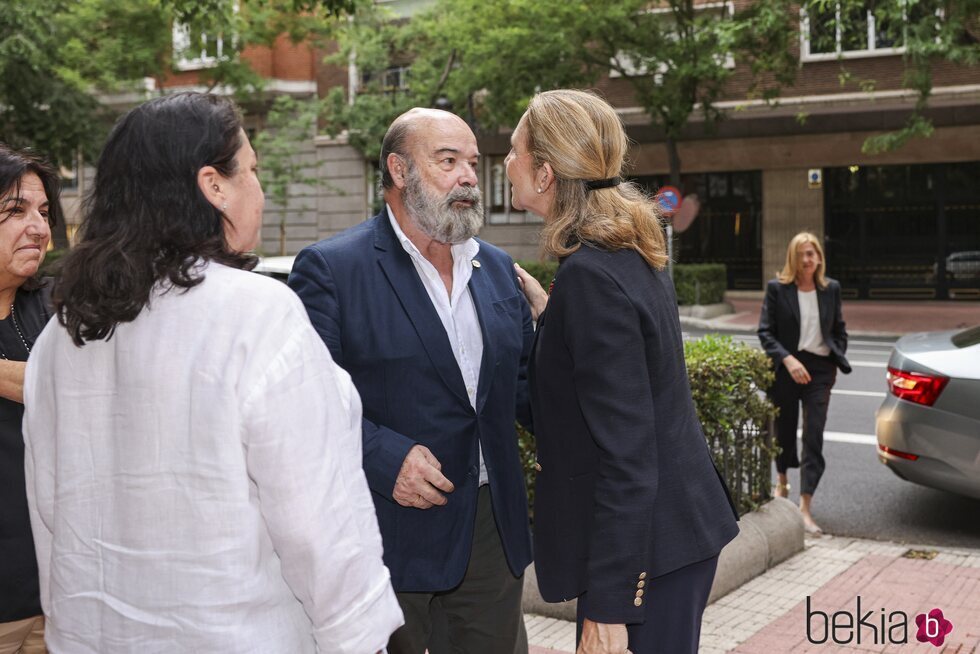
point(627, 490)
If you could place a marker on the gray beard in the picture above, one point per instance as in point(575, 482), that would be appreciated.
point(436, 217)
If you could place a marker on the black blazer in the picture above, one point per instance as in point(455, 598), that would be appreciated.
point(627, 490)
point(779, 323)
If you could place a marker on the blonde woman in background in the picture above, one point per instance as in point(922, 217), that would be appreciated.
point(802, 330)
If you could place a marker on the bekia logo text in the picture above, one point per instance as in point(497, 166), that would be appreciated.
point(874, 626)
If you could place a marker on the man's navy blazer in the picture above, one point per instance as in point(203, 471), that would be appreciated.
point(627, 491)
point(365, 299)
point(779, 322)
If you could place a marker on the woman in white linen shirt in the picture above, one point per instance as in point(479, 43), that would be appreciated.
point(802, 330)
point(193, 454)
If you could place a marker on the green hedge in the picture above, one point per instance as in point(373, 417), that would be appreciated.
point(727, 380)
point(696, 283)
point(50, 266)
point(543, 271)
point(700, 283)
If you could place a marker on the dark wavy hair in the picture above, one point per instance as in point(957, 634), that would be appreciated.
point(14, 164)
point(146, 220)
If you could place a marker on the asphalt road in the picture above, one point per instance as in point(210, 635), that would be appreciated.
point(858, 496)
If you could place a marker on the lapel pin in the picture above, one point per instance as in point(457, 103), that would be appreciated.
point(476, 264)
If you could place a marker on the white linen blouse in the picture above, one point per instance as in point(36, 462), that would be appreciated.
point(195, 482)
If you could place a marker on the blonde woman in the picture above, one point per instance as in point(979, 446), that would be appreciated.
point(802, 330)
point(630, 513)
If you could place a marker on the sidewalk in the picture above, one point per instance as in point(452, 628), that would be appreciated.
point(863, 317)
point(768, 615)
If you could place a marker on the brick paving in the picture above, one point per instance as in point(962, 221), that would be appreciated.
point(768, 614)
point(870, 317)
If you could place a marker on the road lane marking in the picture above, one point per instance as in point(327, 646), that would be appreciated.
point(846, 437)
point(843, 391)
point(870, 364)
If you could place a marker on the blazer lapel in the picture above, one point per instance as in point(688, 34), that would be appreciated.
point(401, 274)
point(482, 292)
point(826, 313)
point(792, 296)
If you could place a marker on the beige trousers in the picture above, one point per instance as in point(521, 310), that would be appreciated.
point(23, 636)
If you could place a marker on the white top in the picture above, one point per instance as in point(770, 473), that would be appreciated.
point(811, 339)
point(457, 311)
point(195, 482)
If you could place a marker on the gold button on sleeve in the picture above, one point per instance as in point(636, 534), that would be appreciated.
point(639, 593)
point(641, 584)
point(637, 602)
point(643, 575)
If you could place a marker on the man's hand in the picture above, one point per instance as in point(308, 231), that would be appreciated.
point(599, 638)
point(796, 370)
point(420, 480)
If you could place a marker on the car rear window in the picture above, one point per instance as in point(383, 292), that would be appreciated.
point(967, 338)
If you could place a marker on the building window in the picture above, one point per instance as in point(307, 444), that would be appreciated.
point(196, 49)
point(853, 30)
point(391, 81)
point(496, 195)
point(68, 172)
point(625, 66)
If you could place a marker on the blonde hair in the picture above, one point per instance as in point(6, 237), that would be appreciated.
point(788, 274)
point(581, 137)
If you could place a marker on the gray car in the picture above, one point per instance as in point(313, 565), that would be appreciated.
point(928, 427)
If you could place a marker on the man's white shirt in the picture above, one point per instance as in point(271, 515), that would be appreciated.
point(456, 311)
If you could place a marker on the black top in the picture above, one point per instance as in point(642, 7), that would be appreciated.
point(19, 592)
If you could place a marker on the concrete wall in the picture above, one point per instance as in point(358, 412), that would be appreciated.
point(789, 206)
point(520, 241)
point(301, 209)
point(343, 198)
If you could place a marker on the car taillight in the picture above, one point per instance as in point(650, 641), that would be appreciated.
point(915, 387)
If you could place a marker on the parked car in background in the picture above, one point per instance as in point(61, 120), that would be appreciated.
point(277, 267)
point(928, 427)
point(963, 265)
point(960, 266)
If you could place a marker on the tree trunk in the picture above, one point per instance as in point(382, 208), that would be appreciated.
point(59, 235)
point(674, 160)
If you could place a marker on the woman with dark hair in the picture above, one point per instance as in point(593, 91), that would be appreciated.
point(630, 513)
point(29, 208)
point(192, 452)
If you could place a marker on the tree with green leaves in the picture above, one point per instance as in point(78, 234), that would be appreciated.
point(281, 164)
point(59, 59)
point(488, 58)
point(926, 32)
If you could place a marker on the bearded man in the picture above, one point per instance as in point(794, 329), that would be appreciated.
point(431, 325)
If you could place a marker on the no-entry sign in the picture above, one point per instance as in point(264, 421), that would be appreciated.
point(668, 198)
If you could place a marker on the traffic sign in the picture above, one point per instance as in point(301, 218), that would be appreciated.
point(668, 198)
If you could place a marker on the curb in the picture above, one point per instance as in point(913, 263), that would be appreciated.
point(767, 536)
point(721, 325)
point(706, 311)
